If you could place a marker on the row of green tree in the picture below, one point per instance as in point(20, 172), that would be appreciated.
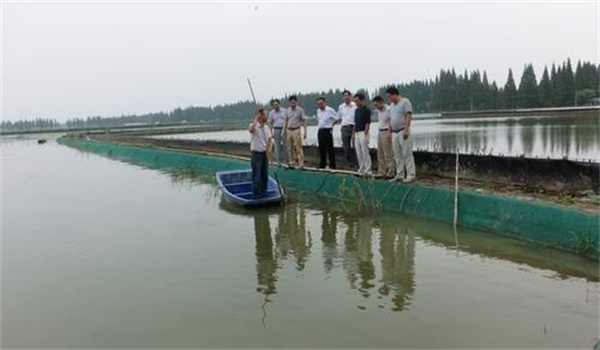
point(30, 125)
point(559, 86)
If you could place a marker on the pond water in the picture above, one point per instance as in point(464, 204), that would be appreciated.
point(103, 254)
point(575, 137)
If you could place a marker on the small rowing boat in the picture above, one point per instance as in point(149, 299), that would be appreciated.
point(236, 186)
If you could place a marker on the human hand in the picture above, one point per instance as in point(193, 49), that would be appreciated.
point(405, 134)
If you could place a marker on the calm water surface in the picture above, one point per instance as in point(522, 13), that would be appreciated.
point(103, 254)
point(544, 136)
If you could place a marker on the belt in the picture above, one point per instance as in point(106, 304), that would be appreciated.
point(292, 129)
point(328, 129)
point(348, 126)
point(258, 152)
point(386, 129)
point(278, 127)
point(397, 131)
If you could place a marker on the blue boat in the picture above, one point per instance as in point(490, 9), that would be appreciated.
point(237, 189)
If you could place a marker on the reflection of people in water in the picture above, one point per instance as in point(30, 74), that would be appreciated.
point(291, 236)
point(328, 239)
point(292, 241)
point(358, 255)
point(397, 249)
point(266, 265)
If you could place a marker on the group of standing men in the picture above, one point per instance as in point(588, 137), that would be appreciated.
point(287, 128)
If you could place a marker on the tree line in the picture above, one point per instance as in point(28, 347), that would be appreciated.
point(30, 125)
point(559, 86)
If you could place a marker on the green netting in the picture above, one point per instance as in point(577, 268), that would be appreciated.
point(545, 224)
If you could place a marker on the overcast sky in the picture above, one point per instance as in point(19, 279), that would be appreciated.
point(66, 60)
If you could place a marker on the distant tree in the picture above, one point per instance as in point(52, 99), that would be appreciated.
point(510, 92)
point(586, 82)
point(447, 91)
point(568, 98)
point(558, 86)
point(545, 90)
point(528, 94)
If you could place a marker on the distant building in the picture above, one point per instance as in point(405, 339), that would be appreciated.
point(594, 102)
point(135, 124)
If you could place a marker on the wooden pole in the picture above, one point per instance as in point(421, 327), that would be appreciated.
point(252, 91)
point(456, 192)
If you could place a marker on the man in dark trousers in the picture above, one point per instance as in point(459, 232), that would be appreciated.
point(327, 118)
point(346, 113)
point(260, 146)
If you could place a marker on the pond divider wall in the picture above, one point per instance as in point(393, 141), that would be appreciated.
point(544, 224)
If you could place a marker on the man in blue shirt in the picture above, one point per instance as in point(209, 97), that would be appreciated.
point(327, 118)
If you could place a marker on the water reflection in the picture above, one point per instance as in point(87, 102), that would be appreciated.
point(397, 266)
point(266, 264)
point(348, 243)
point(292, 240)
point(376, 254)
point(563, 135)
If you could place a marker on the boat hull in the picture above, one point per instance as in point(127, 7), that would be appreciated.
point(236, 186)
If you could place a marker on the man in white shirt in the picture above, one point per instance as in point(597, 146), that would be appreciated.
point(327, 118)
point(276, 122)
point(260, 146)
point(346, 113)
point(386, 166)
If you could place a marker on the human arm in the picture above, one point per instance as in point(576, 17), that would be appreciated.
point(271, 122)
point(270, 148)
point(407, 120)
point(304, 123)
point(368, 124)
point(252, 127)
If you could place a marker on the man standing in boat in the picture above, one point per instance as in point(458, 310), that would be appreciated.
point(386, 167)
point(346, 112)
point(260, 146)
point(401, 116)
point(362, 124)
point(276, 122)
point(294, 120)
point(327, 118)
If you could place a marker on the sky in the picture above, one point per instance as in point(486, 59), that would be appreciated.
point(65, 60)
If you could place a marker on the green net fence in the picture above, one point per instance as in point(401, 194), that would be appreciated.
point(544, 224)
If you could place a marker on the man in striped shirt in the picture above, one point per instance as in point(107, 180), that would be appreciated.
point(386, 166)
point(277, 121)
